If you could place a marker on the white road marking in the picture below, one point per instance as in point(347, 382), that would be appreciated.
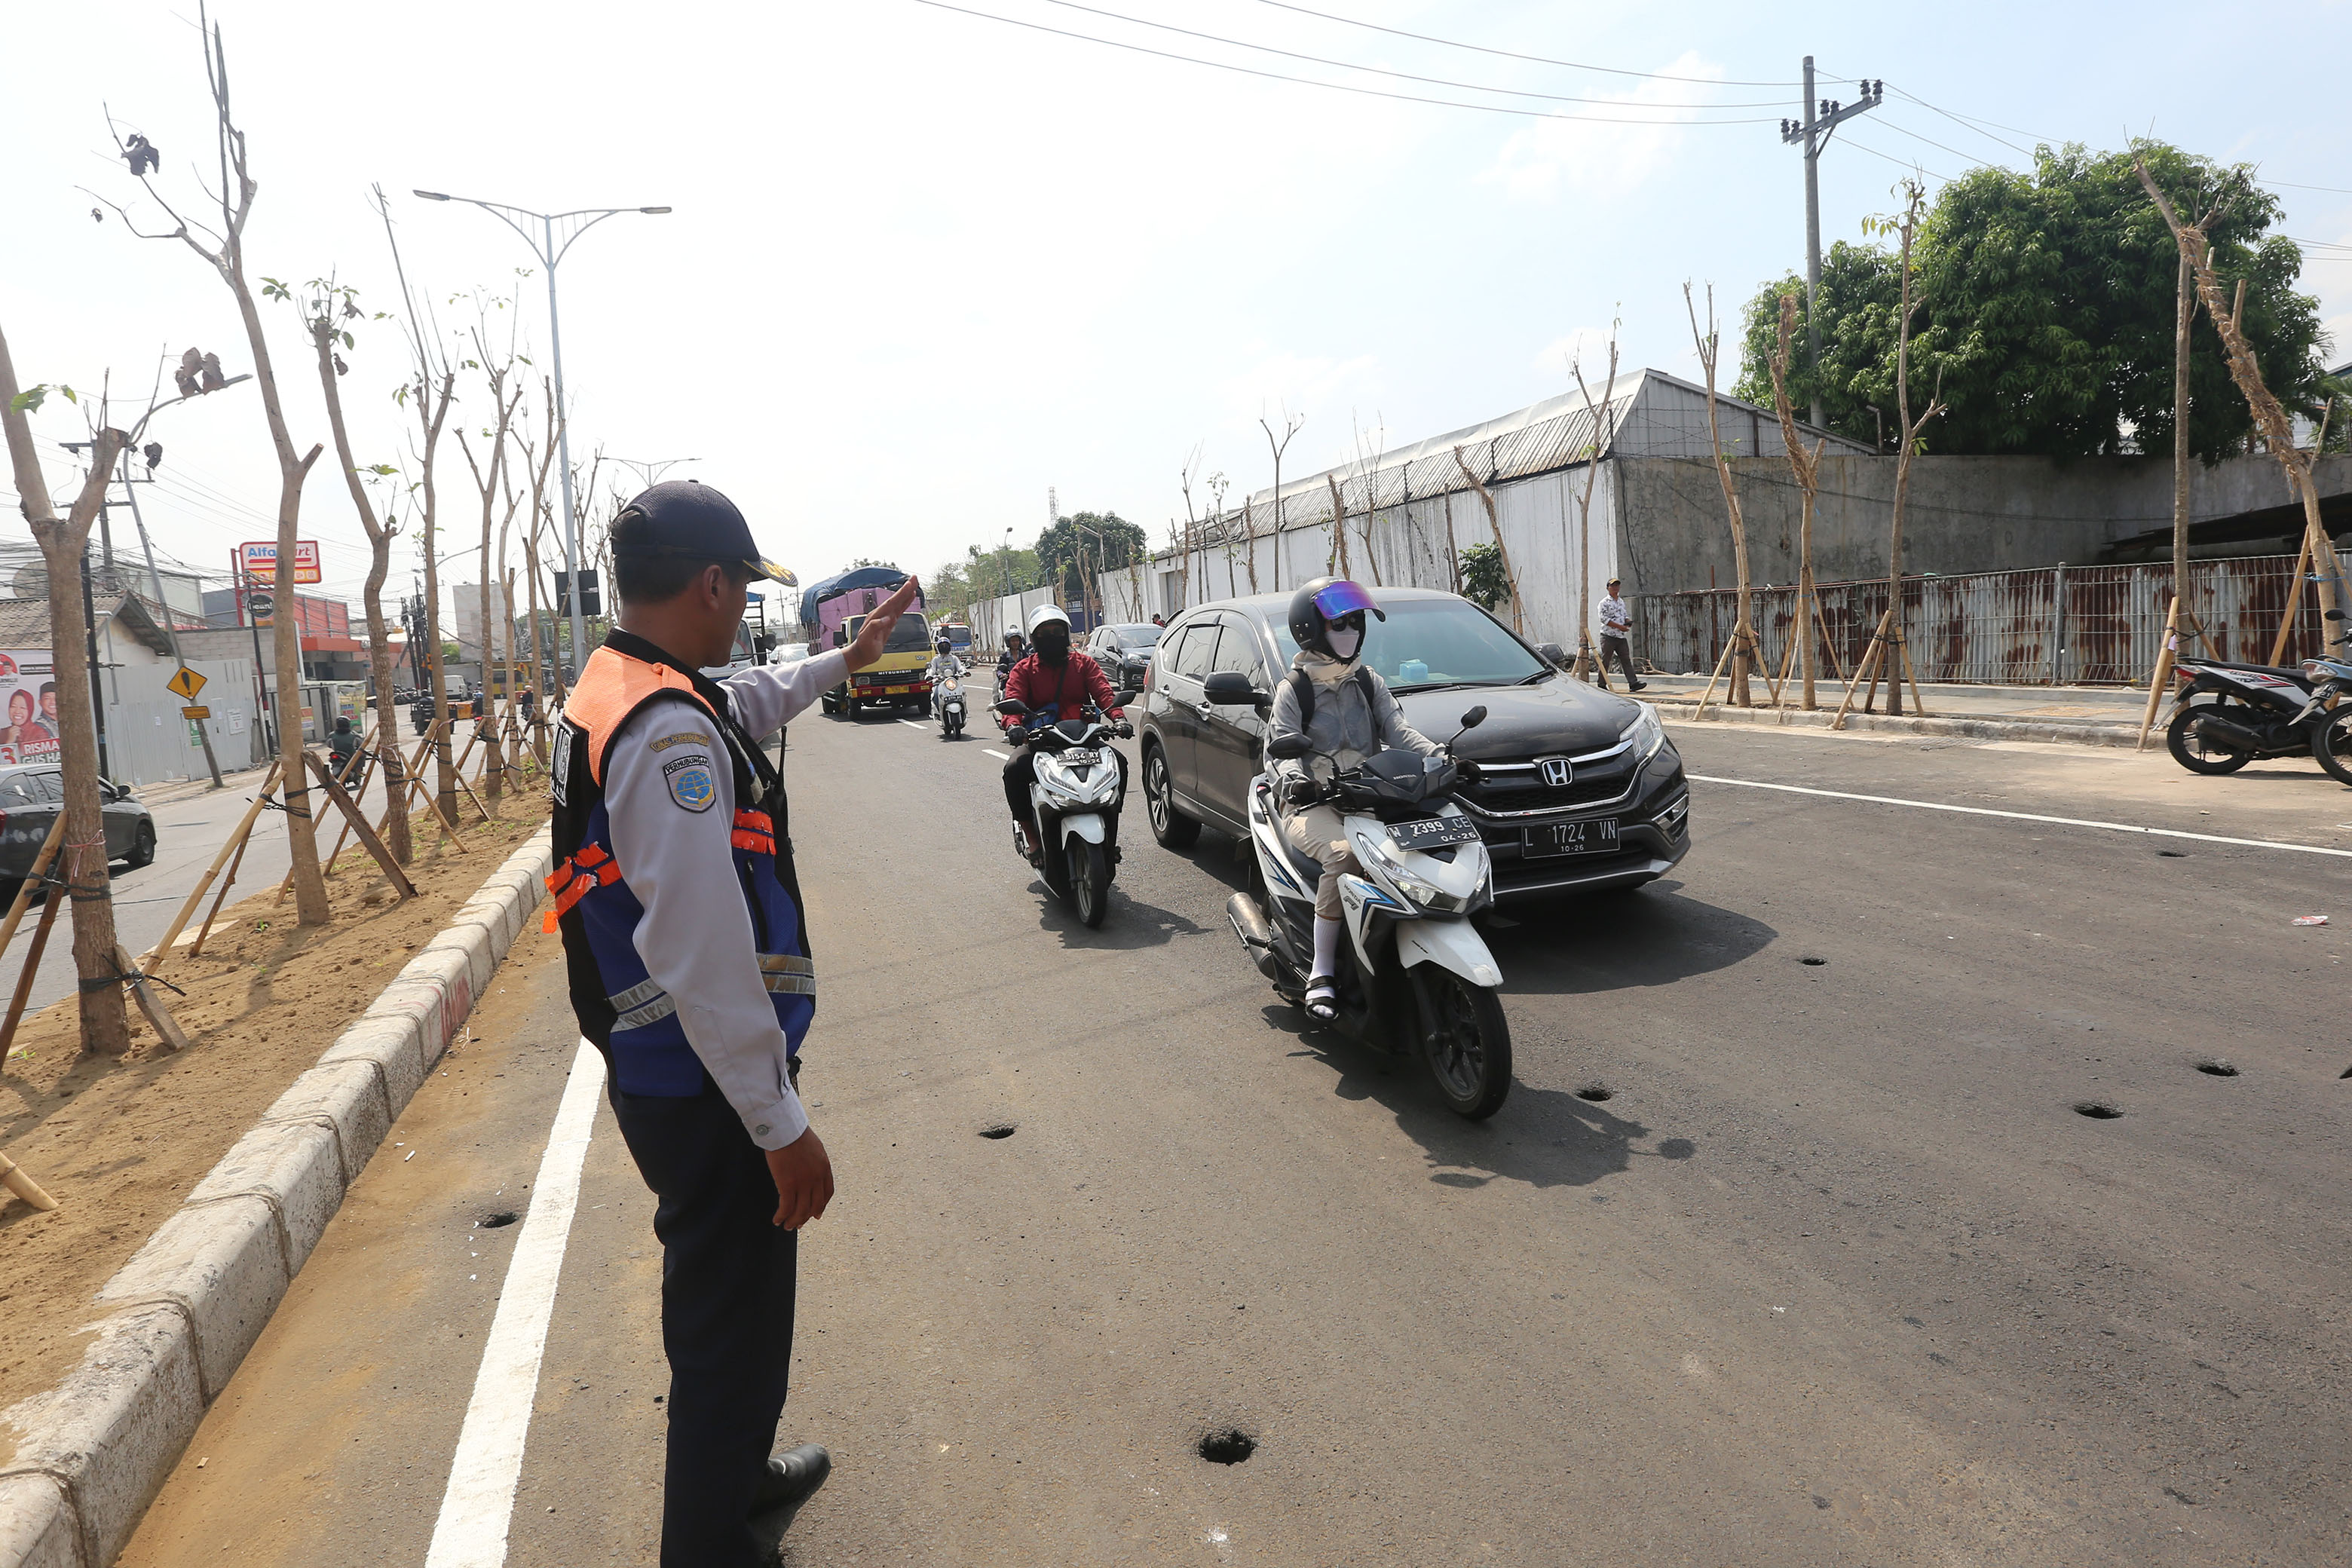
point(912, 725)
point(999, 756)
point(2029, 816)
point(478, 1506)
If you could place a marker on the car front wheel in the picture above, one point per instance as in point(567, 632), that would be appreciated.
point(1171, 827)
point(143, 848)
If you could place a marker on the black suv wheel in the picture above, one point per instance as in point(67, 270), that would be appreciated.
point(1171, 827)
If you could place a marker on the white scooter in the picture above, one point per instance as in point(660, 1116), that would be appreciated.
point(947, 704)
point(1076, 799)
point(1414, 971)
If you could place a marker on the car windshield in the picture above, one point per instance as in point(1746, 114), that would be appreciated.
point(1437, 642)
point(910, 635)
point(1144, 636)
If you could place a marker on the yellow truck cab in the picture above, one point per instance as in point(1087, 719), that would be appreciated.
point(901, 678)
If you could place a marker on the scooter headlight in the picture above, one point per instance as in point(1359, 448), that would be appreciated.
point(1647, 734)
point(1424, 898)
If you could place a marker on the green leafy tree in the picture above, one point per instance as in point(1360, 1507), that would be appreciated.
point(1085, 542)
point(2046, 306)
point(1484, 581)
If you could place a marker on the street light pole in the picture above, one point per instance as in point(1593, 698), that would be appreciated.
point(550, 254)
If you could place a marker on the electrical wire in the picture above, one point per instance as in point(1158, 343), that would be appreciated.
point(1534, 60)
point(1903, 131)
point(1381, 70)
point(1915, 167)
point(1334, 86)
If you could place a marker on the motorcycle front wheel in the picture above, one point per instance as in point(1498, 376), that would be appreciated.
point(2192, 752)
point(1089, 882)
point(2331, 743)
point(1469, 1055)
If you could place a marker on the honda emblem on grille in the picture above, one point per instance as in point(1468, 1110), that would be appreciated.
point(1556, 772)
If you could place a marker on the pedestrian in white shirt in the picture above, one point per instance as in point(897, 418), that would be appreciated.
point(1617, 634)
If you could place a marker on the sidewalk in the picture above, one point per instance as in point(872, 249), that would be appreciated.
point(2074, 715)
point(170, 790)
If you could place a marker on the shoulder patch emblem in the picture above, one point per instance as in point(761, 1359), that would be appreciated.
point(560, 775)
point(683, 738)
point(691, 784)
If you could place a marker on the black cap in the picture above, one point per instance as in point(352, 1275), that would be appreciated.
point(687, 518)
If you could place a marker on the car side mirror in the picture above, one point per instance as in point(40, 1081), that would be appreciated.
point(1554, 655)
point(1285, 747)
point(1476, 717)
point(1229, 687)
point(1121, 698)
point(1012, 708)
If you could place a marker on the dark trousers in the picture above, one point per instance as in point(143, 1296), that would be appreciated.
point(1022, 771)
point(1622, 651)
point(726, 1317)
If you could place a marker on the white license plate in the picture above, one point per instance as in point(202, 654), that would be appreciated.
point(1080, 757)
point(1429, 832)
point(1597, 836)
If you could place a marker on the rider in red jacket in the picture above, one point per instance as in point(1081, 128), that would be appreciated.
point(1056, 673)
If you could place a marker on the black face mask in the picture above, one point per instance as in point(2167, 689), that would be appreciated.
point(1052, 646)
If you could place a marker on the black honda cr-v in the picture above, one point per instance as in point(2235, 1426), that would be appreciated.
point(1577, 789)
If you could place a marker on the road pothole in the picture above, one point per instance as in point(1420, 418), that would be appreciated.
point(2097, 1109)
point(997, 1130)
point(2218, 1068)
point(1227, 1446)
point(1812, 962)
point(1596, 1092)
point(495, 1221)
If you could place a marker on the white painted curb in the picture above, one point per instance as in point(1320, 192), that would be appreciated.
point(92, 1453)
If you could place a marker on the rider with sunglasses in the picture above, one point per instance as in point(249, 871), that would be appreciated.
point(1346, 712)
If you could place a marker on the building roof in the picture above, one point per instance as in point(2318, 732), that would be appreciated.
point(25, 622)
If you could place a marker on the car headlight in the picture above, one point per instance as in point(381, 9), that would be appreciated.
point(1646, 735)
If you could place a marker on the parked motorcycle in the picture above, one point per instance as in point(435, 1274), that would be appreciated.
point(1076, 798)
point(1415, 975)
point(947, 705)
point(2228, 714)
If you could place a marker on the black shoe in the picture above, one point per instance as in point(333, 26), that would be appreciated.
point(1638, 686)
point(792, 1479)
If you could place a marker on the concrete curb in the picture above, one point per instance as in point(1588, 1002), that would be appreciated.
point(92, 1452)
point(2058, 731)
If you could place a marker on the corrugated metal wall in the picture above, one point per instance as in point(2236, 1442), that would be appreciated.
point(2085, 624)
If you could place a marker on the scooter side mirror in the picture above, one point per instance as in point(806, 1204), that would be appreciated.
point(1476, 717)
point(1286, 747)
point(1121, 698)
point(1229, 689)
point(2338, 615)
point(1012, 708)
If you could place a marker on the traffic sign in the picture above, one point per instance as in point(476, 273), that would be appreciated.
point(261, 607)
point(187, 683)
point(195, 713)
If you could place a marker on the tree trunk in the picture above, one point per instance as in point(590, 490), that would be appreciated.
point(1493, 526)
point(105, 1024)
point(2184, 314)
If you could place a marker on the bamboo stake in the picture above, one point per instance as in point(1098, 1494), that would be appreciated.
point(2163, 676)
point(161, 952)
point(13, 1177)
point(1902, 647)
point(375, 847)
point(326, 866)
point(2293, 600)
point(150, 1005)
point(49, 853)
point(220, 897)
point(1867, 668)
point(1725, 658)
point(25, 979)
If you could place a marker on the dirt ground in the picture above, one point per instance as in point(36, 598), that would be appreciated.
point(118, 1143)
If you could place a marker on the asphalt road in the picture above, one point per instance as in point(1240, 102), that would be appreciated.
point(1835, 1273)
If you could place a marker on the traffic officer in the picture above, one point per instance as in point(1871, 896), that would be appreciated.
point(700, 1001)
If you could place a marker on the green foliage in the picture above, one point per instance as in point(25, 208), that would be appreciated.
point(29, 400)
point(1103, 541)
point(2044, 301)
point(1484, 581)
point(869, 561)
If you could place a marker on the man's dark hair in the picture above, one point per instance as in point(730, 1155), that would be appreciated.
point(654, 579)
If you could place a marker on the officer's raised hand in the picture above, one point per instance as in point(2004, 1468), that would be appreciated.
point(876, 630)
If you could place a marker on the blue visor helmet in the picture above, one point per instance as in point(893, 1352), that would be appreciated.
point(1319, 604)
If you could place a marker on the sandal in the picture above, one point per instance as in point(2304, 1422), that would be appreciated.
point(1323, 999)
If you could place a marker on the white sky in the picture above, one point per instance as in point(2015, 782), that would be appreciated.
point(924, 265)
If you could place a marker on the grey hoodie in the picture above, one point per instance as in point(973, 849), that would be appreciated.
point(1345, 730)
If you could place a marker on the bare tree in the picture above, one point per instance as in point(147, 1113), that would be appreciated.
point(1367, 455)
point(1807, 468)
point(497, 368)
point(1290, 424)
point(1898, 662)
point(327, 307)
point(541, 511)
point(105, 1025)
point(223, 248)
point(1743, 634)
point(1493, 526)
point(1597, 416)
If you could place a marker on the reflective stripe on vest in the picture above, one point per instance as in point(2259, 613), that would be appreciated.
point(784, 974)
point(755, 831)
point(580, 875)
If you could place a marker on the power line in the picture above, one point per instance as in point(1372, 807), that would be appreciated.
point(1332, 86)
point(1381, 70)
point(1510, 55)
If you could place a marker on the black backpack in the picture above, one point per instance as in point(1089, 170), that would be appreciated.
point(1304, 689)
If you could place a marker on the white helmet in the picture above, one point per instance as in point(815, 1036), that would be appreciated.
point(1046, 614)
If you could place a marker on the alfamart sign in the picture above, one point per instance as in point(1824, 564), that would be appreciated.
point(259, 560)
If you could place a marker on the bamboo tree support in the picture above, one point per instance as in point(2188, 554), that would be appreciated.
point(220, 897)
point(1867, 669)
point(13, 1177)
point(1708, 694)
point(150, 1005)
point(48, 852)
point(349, 808)
point(416, 787)
point(2293, 600)
point(343, 776)
point(161, 953)
point(1788, 662)
point(2163, 676)
point(24, 977)
point(1903, 647)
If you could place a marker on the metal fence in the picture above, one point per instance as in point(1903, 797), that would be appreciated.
point(2060, 624)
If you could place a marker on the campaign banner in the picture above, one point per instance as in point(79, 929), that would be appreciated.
point(29, 697)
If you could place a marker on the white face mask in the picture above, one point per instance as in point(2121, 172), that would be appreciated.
point(1344, 642)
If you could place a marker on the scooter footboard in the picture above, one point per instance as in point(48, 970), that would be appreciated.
point(1450, 945)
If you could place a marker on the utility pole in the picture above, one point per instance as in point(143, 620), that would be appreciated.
point(171, 636)
point(1822, 117)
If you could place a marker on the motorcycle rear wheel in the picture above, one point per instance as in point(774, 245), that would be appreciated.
point(1089, 882)
point(1470, 1056)
point(2191, 751)
point(2331, 743)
